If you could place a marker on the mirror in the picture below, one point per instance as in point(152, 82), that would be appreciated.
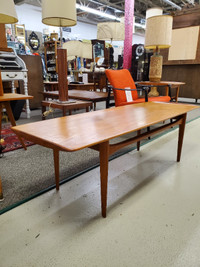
point(20, 33)
point(34, 41)
point(99, 50)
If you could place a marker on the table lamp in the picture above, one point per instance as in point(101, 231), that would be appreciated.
point(158, 36)
point(8, 15)
point(110, 31)
point(78, 49)
point(61, 13)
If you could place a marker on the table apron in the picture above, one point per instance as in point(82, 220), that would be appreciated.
point(115, 147)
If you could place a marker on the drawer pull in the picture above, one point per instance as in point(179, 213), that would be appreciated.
point(10, 76)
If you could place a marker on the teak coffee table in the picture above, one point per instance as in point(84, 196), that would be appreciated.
point(71, 133)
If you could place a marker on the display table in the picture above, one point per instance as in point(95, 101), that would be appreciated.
point(96, 129)
point(94, 97)
point(169, 84)
point(77, 104)
point(53, 86)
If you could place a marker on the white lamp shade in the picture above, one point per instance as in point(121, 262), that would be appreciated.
point(86, 50)
point(158, 32)
point(78, 49)
point(110, 31)
point(154, 11)
point(61, 13)
point(7, 12)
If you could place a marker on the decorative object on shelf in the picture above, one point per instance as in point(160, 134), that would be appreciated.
point(110, 31)
point(50, 53)
point(34, 41)
point(158, 36)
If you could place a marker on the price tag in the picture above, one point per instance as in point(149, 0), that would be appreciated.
point(128, 95)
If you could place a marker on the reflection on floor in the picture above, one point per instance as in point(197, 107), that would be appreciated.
point(153, 214)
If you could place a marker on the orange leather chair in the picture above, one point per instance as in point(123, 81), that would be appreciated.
point(120, 80)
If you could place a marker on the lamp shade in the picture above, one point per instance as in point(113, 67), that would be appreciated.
point(154, 11)
point(7, 12)
point(78, 49)
point(61, 13)
point(158, 32)
point(110, 31)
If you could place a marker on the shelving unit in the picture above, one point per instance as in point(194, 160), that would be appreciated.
point(50, 50)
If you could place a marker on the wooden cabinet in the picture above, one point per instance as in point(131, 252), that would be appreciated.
point(35, 79)
point(50, 50)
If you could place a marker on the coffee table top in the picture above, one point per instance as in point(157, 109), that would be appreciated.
point(79, 131)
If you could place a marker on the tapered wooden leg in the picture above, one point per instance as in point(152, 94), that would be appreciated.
point(180, 136)
point(56, 167)
point(104, 155)
point(1, 190)
point(12, 120)
point(138, 143)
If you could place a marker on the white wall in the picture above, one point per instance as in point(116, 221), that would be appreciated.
point(31, 16)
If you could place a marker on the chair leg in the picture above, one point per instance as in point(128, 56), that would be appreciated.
point(138, 143)
point(148, 130)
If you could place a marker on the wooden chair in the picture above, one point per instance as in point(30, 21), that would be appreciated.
point(125, 90)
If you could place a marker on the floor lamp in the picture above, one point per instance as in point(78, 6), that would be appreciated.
point(8, 15)
point(157, 36)
point(110, 31)
point(60, 13)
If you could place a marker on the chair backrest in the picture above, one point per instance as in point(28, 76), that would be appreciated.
point(121, 79)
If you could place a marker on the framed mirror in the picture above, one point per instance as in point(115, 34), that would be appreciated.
point(34, 41)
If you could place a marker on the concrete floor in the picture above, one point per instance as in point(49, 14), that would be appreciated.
point(153, 214)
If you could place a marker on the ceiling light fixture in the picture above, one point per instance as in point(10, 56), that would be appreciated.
point(96, 12)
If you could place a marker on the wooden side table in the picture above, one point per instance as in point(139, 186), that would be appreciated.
point(51, 86)
point(168, 84)
point(66, 106)
point(5, 103)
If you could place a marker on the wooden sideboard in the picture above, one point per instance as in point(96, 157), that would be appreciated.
point(190, 74)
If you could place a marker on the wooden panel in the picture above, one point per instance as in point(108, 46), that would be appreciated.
point(184, 73)
point(187, 18)
point(35, 79)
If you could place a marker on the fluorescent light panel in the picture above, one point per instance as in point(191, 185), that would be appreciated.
point(97, 12)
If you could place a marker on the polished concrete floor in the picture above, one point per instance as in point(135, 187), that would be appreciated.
point(153, 216)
